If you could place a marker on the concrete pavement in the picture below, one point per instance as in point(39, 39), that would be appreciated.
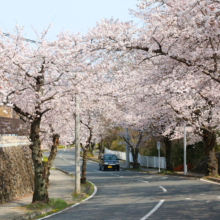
point(61, 187)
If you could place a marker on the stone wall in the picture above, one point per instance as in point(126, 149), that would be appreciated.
point(16, 172)
point(14, 126)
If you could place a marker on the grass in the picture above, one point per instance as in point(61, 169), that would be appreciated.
point(86, 191)
point(55, 204)
point(167, 172)
point(58, 204)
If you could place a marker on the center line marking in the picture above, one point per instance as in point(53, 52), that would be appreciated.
point(163, 188)
point(153, 210)
point(143, 181)
point(114, 175)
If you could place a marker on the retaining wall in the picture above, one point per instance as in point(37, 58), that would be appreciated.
point(16, 168)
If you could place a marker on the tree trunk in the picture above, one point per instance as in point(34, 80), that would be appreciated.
point(49, 163)
point(100, 149)
point(134, 152)
point(83, 178)
point(212, 163)
point(40, 191)
point(92, 148)
point(108, 144)
point(168, 147)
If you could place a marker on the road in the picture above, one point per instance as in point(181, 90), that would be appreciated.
point(138, 196)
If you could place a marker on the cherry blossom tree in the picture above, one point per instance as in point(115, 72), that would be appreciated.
point(33, 84)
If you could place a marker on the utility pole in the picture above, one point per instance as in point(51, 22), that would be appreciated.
point(184, 151)
point(158, 148)
point(77, 147)
point(127, 149)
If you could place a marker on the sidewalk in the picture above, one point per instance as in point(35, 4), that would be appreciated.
point(56, 190)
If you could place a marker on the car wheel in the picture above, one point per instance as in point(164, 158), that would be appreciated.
point(118, 168)
point(103, 168)
point(99, 167)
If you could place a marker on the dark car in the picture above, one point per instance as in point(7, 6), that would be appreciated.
point(109, 161)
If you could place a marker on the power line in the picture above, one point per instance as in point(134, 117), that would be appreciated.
point(24, 39)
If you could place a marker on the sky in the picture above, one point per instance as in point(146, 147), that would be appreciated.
point(73, 15)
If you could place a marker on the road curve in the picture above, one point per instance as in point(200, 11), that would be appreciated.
point(139, 196)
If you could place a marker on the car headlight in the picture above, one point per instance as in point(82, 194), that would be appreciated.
point(106, 163)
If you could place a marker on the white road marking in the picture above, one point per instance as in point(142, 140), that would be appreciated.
point(153, 210)
point(202, 194)
point(163, 188)
point(114, 174)
point(164, 178)
point(210, 182)
point(95, 191)
point(218, 197)
point(188, 198)
point(143, 181)
point(207, 201)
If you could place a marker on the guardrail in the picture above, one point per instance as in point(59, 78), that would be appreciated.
point(147, 161)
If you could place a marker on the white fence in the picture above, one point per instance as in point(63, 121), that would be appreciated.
point(147, 161)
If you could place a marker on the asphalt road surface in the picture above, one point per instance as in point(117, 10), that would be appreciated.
point(138, 196)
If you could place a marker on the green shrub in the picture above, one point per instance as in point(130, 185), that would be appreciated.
point(117, 146)
point(45, 159)
point(60, 146)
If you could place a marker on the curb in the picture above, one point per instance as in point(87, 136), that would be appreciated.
point(138, 171)
point(95, 191)
point(32, 215)
point(92, 159)
point(213, 181)
point(44, 211)
point(67, 173)
point(192, 176)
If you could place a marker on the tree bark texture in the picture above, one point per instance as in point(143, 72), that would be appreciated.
point(209, 139)
point(83, 178)
point(168, 148)
point(134, 151)
point(100, 149)
point(92, 148)
point(49, 163)
point(40, 191)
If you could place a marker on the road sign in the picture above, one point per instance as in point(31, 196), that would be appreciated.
point(158, 145)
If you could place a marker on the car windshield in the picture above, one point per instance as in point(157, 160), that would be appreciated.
point(110, 157)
